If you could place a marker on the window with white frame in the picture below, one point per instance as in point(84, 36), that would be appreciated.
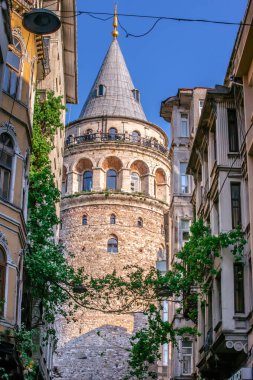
point(6, 159)
point(165, 311)
point(165, 354)
point(184, 127)
point(13, 68)
point(201, 103)
point(186, 360)
point(185, 231)
point(184, 178)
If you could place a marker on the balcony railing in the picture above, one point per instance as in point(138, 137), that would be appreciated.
point(208, 339)
point(26, 4)
point(119, 137)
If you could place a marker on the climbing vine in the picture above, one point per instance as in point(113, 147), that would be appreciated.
point(53, 287)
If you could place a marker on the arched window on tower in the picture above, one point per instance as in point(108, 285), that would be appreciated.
point(113, 219)
point(6, 158)
point(111, 179)
point(87, 180)
point(112, 133)
point(136, 136)
point(13, 68)
point(85, 220)
point(112, 245)
point(101, 90)
point(2, 274)
point(135, 182)
point(140, 222)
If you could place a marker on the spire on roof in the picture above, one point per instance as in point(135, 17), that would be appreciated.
point(115, 32)
point(113, 92)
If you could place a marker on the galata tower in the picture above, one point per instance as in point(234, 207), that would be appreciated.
point(115, 191)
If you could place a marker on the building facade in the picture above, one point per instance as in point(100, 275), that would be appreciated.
point(27, 62)
point(239, 74)
point(18, 70)
point(57, 73)
point(115, 191)
point(182, 112)
point(220, 198)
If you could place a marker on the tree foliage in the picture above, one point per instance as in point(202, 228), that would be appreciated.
point(51, 283)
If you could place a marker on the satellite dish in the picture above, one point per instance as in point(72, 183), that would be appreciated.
point(41, 21)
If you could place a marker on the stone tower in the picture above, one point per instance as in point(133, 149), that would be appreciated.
point(115, 192)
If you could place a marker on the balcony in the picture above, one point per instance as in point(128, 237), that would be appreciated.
point(119, 138)
point(22, 5)
point(222, 354)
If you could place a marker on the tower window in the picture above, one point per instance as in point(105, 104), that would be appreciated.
point(135, 182)
point(7, 152)
point(112, 245)
point(136, 136)
point(85, 220)
point(101, 90)
point(136, 94)
point(140, 222)
point(111, 180)
point(113, 133)
point(113, 219)
point(87, 180)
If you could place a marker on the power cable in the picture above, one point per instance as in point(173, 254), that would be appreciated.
point(97, 15)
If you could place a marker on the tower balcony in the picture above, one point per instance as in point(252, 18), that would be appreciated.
point(90, 138)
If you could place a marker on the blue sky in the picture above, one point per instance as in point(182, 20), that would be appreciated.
point(174, 55)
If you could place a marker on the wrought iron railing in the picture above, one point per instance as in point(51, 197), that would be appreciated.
point(119, 137)
point(208, 339)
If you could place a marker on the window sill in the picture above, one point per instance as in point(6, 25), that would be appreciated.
point(234, 155)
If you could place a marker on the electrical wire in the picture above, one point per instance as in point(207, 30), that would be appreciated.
point(97, 15)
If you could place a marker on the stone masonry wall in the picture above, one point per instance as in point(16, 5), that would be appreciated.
point(82, 354)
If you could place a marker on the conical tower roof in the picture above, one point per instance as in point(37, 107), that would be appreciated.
point(119, 96)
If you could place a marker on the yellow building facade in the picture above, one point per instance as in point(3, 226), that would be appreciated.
point(17, 85)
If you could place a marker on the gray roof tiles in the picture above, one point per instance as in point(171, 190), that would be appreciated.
point(118, 99)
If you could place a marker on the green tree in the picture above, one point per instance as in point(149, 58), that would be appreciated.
point(51, 283)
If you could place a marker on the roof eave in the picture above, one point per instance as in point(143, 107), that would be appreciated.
point(70, 50)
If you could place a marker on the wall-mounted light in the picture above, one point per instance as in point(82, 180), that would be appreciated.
point(41, 21)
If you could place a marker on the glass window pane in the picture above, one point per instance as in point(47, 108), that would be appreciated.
point(113, 219)
point(4, 183)
point(13, 83)
point(13, 60)
point(87, 181)
point(17, 44)
point(183, 167)
point(6, 82)
point(135, 182)
point(239, 288)
point(111, 179)
point(112, 133)
point(136, 136)
point(235, 204)
point(112, 245)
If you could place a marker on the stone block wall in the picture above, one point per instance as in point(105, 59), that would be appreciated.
point(83, 354)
